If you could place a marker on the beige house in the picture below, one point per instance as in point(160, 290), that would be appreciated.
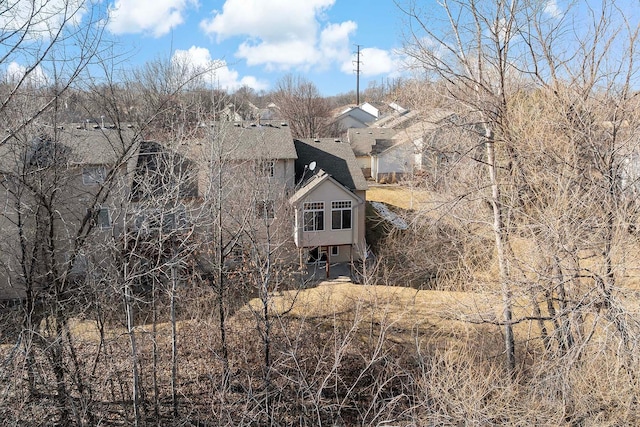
point(399, 144)
point(382, 155)
point(268, 147)
point(111, 187)
point(57, 207)
point(329, 203)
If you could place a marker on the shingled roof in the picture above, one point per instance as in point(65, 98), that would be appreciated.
point(246, 141)
point(81, 146)
point(334, 157)
point(363, 141)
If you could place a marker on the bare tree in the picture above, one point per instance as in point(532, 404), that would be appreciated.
point(46, 46)
point(476, 63)
point(302, 106)
point(503, 61)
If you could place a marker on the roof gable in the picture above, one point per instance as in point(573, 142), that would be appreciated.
point(369, 108)
point(320, 179)
point(363, 141)
point(357, 113)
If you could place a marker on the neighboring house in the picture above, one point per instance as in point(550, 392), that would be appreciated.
point(392, 160)
point(265, 149)
point(406, 142)
point(51, 195)
point(245, 111)
point(355, 117)
point(158, 189)
point(270, 112)
point(442, 142)
point(381, 155)
point(398, 119)
point(329, 202)
point(230, 113)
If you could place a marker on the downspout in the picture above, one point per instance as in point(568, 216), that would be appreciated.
point(353, 232)
point(298, 236)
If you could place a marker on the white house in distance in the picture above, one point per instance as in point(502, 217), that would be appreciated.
point(329, 203)
point(357, 117)
point(404, 143)
point(380, 154)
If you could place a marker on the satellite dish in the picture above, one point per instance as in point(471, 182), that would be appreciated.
point(312, 166)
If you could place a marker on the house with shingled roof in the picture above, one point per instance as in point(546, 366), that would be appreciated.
point(396, 145)
point(54, 195)
point(329, 202)
point(313, 187)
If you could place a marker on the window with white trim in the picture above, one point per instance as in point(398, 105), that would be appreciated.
point(265, 209)
point(341, 215)
point(94, 174)
point(313, 216)
point(268, 168)
point(103, 218)
point(335, 250)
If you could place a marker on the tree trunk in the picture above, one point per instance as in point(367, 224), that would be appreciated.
point(134, 351)
point(174, 345)
point(501, 239)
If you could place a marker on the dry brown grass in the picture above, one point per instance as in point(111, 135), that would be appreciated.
point(440, 317)
point(419, 356)
point(399, 196)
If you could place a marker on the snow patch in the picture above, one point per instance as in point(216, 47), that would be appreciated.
point(389, 216)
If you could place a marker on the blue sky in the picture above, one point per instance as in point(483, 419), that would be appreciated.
point(251, 42)
point(258, 41)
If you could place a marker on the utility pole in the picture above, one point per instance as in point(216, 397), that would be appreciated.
point(357, 64)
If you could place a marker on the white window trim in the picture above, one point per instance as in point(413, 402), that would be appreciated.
point(268, 168)
point(313, 207)
point(272, 168)
point(98, 223)
point(102, 174)
point(334, 209)
point(335, 250)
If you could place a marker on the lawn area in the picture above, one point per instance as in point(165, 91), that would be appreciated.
point(400, 196)
point(441, 318)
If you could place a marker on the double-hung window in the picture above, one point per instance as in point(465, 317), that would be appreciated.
point(268, 168)
point(341, 215)
point(102, 218)
point(313, 216)
point(265, 209)
point(93, 174)
point(157, 219)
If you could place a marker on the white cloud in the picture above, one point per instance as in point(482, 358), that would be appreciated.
point(277, 55)
point(155, 17)
point(219, 74)
point(334, 41)
point(281, 34)
point(40, 20)
point(15, 72)
point(272, 21)
point(373, 62)
point(552, 8)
